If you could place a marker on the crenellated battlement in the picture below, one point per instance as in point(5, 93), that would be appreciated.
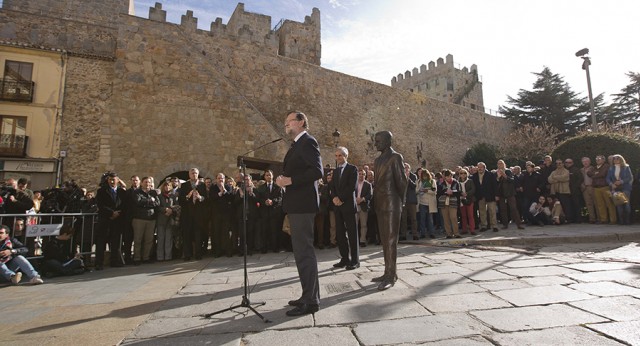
point(300, 41)
point(442, 80)
point(429, 71)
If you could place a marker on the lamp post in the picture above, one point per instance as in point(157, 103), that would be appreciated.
point(336, 139)
point(582, 53)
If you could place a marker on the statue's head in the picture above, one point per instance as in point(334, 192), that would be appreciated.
point(383, 140)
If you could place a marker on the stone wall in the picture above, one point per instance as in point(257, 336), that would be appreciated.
point(90, 11)
point(87, 109)
point(170, 97)
point(53, 32)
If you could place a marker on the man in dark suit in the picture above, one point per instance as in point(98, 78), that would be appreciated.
point(363, 197)
point(111, 200)
point(302, 169)
point(191, 198)
point(222, 200)
point(388, 195)
point(486, 190)
point(270, 197)
point(343, 196)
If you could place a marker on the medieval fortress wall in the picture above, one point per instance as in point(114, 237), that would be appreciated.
point(444, 82)
point(148, 97)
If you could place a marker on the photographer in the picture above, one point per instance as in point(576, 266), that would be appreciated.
point(59, 258)
point(15, 201)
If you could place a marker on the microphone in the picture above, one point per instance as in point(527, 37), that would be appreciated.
point(262, 146)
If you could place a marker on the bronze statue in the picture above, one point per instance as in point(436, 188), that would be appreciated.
point(388, 196)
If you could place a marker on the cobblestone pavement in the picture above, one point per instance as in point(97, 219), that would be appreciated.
point(559, 294)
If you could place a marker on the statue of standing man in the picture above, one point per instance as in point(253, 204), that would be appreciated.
point(388, 196)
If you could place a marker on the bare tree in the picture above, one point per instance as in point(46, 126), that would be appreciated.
point(529, 142)
point(626, 130)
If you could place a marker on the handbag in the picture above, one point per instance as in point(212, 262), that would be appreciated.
point(619, 198)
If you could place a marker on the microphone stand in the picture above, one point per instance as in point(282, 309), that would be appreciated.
point(246, 302)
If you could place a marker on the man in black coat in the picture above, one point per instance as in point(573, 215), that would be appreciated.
point(343, 196)
point(111, 202)
point(302, 168)
point(191, 199)
point(222, 200)
point(270, 196)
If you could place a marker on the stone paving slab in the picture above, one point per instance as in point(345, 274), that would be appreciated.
point(555, 336)
point(305, 336)
point(606, 289)
point(542, 295)
point(470, 341)
point(624, 331)
point(500, 285)
point(535, 317)
point(436, 280)
point(463, 302)
point(614, 308)
point(357, 311)
point(232, 339)
point(448, 290)
point(601, 266)
point(419, 329)
point(548, 280)
point(443, 269)
point(539, 271)
point(487, 275)
point(537, 262)
point(610, 275)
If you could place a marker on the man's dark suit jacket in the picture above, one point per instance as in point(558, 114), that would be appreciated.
point(187, 204)
point(366, 193)
point(304, 165)
point(345, 187)
point(275, 196)
point(489, 187)
point(106, 204)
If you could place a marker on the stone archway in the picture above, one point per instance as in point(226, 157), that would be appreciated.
point(180, 170)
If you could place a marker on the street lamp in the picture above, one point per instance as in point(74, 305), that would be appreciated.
point(336, 139)
point(582, 53)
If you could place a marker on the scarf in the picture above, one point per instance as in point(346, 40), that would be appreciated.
point(427, 184)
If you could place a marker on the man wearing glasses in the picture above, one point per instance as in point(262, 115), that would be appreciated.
point(301, 170)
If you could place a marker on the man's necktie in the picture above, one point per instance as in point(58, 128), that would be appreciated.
point(338, 174)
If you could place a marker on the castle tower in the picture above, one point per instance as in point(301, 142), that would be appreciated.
point(300, 41)
point(444, 81)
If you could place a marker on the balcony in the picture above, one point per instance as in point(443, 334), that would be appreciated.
point(13, 145)
point(17, 91)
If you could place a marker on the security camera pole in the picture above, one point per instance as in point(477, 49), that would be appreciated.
point(585, 66)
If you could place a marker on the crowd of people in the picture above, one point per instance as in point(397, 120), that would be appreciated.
point(188, 220)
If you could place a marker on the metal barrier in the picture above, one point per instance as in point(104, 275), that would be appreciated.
point(84, 225)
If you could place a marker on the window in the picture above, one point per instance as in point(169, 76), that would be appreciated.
point(17, 84)
point(449, 84)
point(13, 131)
point(18, 71)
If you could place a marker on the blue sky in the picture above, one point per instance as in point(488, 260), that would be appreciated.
point(506, 39)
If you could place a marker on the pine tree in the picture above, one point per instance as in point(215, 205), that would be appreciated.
point(625, 108)
point(552, 102)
